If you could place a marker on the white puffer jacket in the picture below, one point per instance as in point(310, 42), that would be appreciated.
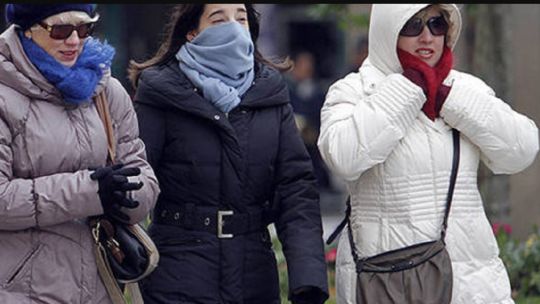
point(397, 162)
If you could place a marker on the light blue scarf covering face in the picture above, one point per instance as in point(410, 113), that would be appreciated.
point(78, 82)
point(220, 62)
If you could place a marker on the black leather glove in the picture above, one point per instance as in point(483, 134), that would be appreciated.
point(308, 295)
point(113, 187)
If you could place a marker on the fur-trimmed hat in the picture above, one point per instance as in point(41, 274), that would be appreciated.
point(26, 15)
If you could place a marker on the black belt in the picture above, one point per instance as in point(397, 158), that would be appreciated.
point(222, 223)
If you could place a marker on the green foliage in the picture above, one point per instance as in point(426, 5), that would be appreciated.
point(340, 12)
point(522, 261)
point(529, 300)
point(282, 270)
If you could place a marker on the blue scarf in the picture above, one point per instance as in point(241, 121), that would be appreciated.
point(78, 82)
point(220, 62)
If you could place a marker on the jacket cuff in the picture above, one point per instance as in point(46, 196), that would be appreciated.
point(400, 99)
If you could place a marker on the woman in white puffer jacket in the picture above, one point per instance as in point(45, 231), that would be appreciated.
point(386, 130)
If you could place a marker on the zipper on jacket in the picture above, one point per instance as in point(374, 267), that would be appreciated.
point(24, 262)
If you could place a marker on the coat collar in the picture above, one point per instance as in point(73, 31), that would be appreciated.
point(166, 86)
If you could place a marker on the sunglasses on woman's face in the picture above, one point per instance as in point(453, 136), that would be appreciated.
point(437, 26)
point(63, 31)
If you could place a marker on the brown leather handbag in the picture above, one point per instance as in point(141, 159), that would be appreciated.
point(420, 273)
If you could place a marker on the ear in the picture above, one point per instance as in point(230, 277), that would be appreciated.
point(191, 35)
point(28, 34)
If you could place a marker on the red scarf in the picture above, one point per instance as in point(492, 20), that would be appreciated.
point(434, 76)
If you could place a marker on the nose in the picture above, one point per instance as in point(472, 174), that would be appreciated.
point(426, 35)
point(73, 38)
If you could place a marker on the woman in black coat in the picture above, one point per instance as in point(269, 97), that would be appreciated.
point(221, 137)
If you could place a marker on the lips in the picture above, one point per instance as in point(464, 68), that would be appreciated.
point(69, 55)
point(424, 53)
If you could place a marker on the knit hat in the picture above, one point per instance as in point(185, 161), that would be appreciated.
point(26, 15)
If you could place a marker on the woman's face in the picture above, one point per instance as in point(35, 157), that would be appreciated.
point(215, 14)
point(66, 51)
point(426, 46)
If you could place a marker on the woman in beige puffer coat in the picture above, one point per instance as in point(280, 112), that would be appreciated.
point(49, 138)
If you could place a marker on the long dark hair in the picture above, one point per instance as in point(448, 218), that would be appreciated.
point(185, 18)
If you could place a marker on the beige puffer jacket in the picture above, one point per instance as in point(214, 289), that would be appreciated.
point(46, 194)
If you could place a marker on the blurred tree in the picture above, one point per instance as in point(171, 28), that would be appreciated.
point(487, 37)
point(344, 17)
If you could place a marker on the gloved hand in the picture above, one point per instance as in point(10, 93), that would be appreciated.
point(442, 93)
point(308, 295)
point(113, 186)
point(417, 77)
point(433, 78)
point(417, 71)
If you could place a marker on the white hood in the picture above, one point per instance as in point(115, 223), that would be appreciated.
point(385, 23)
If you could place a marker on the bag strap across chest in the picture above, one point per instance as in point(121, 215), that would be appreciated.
point(451, 186)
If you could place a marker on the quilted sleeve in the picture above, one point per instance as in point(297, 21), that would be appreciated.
point(359, 131)
point(508, 140)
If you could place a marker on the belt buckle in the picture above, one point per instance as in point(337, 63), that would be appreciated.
point(220, 222)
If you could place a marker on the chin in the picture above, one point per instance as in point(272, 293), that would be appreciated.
point(430, 62)
point(68, 63)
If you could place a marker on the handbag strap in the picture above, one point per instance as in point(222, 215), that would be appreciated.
point(342, 224)
point(110, 282)
point(102, 108)
point(451, 186)
point(453, 177)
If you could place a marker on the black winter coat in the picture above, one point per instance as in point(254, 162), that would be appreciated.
point(249, 161)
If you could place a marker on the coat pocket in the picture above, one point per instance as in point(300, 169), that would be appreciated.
point(170, 238)
point(21, 268)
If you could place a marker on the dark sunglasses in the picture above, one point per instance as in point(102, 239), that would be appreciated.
point(437, 26)
point(63, 31)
